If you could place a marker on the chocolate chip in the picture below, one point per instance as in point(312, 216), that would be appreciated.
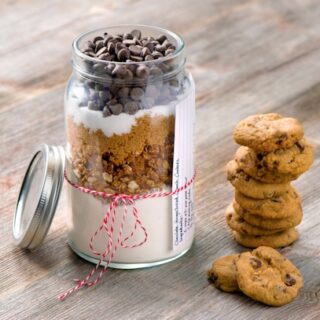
point(106, 40)
point(129, 42)
point(155, 71)
point(99, 45)
point(300, 147)
point(131, 107)
point(136, 33)
point(282, 138)
point(135, 50)
point(123, 54)
point(123, 92)
point(119, 71)
point(136, 93)
point(118, 38)
point(97, 38)
point(259, 156)
point(109, 68)
point(145, 51)
point(105, 57)
point(102, 50)
point(165, 67)
point(114, 91)
point(116, 108)
point(157, 54)
point(149, 57)
point(255, 263)
point(142, 72)
point(169, 51)
point(161, 48)
point(161, 38)
point(289, 280)
point(136, 58)
point(98, 69)
point(119, 46)
point(275, 164)
point(128, 36)
point(111, 47)
point(150, 46)
point(129, 75)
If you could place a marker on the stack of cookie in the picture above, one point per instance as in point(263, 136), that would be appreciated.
point(267, 207)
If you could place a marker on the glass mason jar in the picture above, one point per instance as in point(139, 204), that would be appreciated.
point(129, 131)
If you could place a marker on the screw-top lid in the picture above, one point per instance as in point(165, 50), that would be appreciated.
point(39, 196)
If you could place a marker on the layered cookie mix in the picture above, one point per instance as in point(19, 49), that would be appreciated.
point(267, 208)
point(121, 118)
point(263, 275)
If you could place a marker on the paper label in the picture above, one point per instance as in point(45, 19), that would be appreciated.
point(183, 171)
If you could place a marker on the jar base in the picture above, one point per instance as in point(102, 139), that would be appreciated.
point(116, 265)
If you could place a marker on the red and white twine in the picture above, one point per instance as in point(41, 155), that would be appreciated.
point(108, 224)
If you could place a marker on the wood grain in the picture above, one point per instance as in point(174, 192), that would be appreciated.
point(247, 56)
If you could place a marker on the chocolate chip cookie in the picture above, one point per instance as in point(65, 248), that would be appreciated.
point(277, 240)
point(251, 187)
point(271, 224)
point(268, 132)
point(237, 223)
point(250, 162)
point(275, 208)
point(267, 276)
point(223, 273)
point(295, 160)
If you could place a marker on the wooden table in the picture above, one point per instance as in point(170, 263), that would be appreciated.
point(246, 57)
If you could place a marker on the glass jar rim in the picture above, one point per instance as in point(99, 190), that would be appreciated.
point(180, 44)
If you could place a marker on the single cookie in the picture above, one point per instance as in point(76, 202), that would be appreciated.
point(275, 208)
point(271, 224)
point(223, 273)
point(295, 160)
point(237, 223)
point(250, 162)
point(251, 187)
point(277, 240)
point(267, 276)
point(268, 132)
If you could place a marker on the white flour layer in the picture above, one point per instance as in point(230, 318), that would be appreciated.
point(114, 124)
point(86, 214)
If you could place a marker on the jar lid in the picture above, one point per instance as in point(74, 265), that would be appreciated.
point(39, 196)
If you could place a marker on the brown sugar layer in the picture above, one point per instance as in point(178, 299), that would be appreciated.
point(135, 162)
